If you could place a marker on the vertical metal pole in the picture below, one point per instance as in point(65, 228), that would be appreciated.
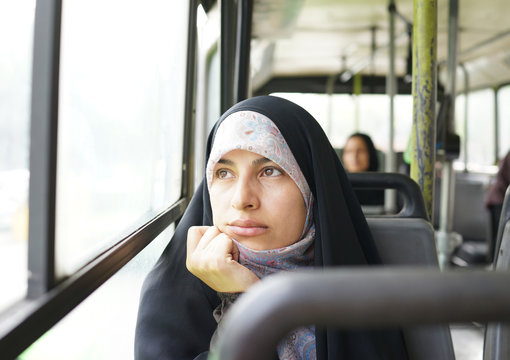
point(424, 98)
point(189, 106)
point(373, 49)
point(43, 147)
point(357, 86)
point(446, 241)
point(200, 133)
point(243, 47)
point(227, 53)
point(496, 126)
point(465, 125)
point(390, 202)
point(330, 87)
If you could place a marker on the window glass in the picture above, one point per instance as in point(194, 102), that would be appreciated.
point(16, 42)
point(340, 115)
point(103, 325)
point(341, 123)
point(208, 84)
point(504, 121)
point(213, 87)
point(334, 113)
point(315, 104)
point(480, 129)
point(374, 112)
point(121, 114)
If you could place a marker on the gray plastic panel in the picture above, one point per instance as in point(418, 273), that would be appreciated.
point(497, 335)
point(407, 241)
point(404, 241)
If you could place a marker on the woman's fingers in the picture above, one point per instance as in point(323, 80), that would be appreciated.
point(203, 251)
point(195, 234)
point(213, 258)
point(207, 236)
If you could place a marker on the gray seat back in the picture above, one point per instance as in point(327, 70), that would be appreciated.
point(497, 335)
point(408, 241)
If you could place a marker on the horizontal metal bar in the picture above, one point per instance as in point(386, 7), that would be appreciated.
point(317, 84)
point(358, 298)
point(25, 322)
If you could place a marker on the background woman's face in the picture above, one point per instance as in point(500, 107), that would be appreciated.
point(255, 202)
point(356, 157)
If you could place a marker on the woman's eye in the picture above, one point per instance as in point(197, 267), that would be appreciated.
point(271, 171)
point(223, 174)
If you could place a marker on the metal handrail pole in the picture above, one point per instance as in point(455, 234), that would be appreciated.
point(424, 98)
point(390, 203)
point(445, 241)
point(357, 298)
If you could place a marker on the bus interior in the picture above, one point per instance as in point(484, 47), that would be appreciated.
point(105, 108)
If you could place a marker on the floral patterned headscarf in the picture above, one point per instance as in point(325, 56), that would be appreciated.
point(251, 131)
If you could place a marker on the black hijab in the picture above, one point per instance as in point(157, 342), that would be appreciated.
point(175, 315)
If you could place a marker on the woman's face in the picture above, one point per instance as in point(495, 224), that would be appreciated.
point(255, 202)
point(356, 157)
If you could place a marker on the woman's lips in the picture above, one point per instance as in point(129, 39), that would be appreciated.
point(246, 228)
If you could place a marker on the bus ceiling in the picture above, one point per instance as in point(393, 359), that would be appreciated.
point(304, 42)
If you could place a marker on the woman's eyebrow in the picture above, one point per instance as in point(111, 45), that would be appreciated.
point(260, 161)
point(226, 162)
point(256, 162)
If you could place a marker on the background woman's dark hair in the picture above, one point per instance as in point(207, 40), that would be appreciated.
point(373, 164)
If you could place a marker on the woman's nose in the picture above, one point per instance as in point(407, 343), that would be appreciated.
point(245, 195)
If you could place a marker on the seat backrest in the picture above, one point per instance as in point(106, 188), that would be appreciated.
point(503, 222)
point(497, 335)
point(407, 188)
point(469, 214)
point(408, 241)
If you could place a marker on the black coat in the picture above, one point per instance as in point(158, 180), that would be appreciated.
point(175, 318)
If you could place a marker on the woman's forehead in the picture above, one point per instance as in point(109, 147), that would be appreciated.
point(356, 141)
point(236, 156)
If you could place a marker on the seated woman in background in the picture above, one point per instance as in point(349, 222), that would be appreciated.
point(495, 197)
point(274, 198)
point(359, 155)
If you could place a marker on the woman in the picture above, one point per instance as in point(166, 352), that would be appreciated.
point(494, 200)
point(359, 154)
point(175, 319)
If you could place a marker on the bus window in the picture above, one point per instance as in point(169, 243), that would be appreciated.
point(103, 325)
point(122, 89)
point(504, 120)
point(480, 129)
point(317, 106)
point(367, 113)
point(374, 114)
point(16, 41)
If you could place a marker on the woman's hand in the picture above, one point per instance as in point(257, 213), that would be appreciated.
point(213, 257)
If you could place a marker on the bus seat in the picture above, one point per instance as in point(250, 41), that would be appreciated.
point(417, 247)
point(470, 218)
point(497, 335)
point(409, 192)
point(504, 220)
